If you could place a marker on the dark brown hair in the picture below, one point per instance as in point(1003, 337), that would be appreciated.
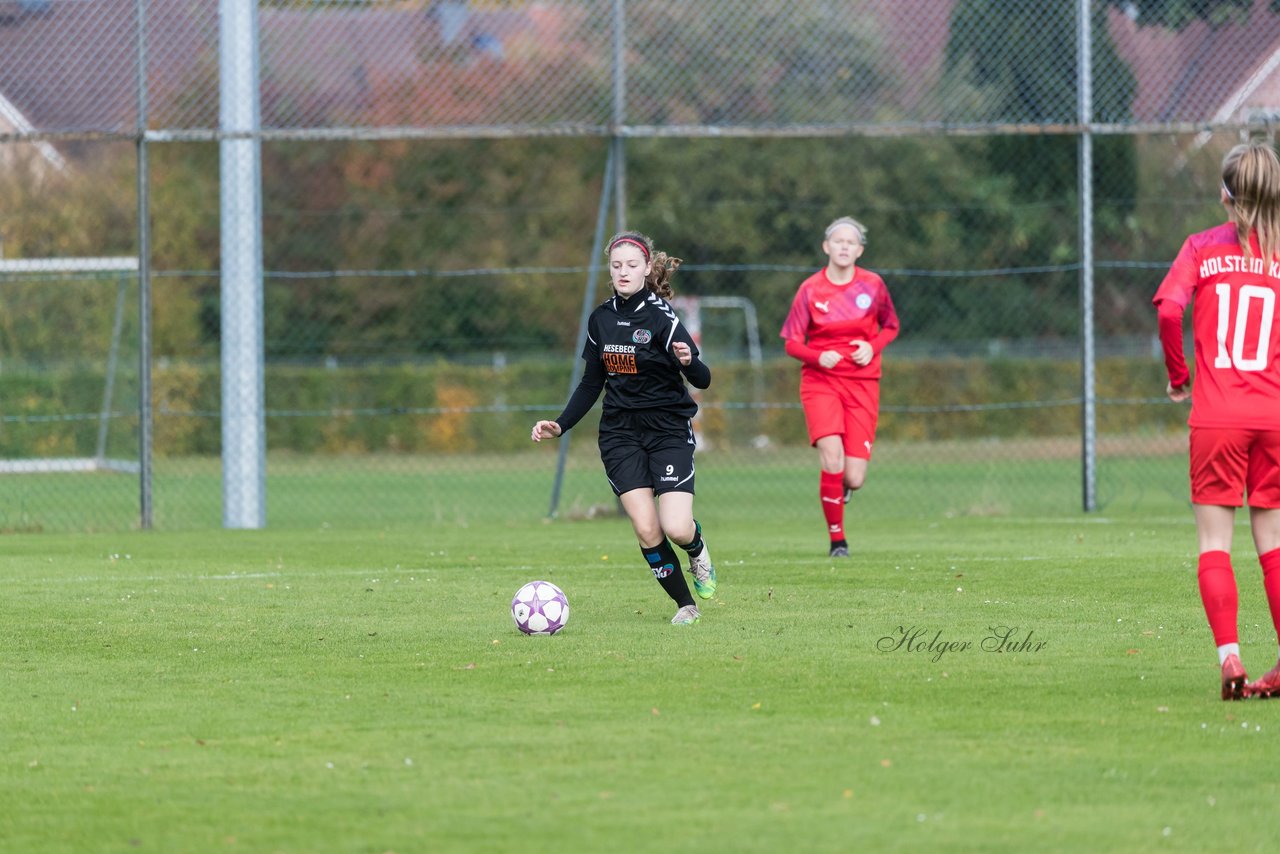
point(662, 268)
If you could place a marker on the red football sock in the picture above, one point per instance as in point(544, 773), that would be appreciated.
point(1218, 593)
point(832, 493)
point(1271, 582)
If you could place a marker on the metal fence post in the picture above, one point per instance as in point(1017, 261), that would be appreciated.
point(243, 419)
point(1088, 392)
point(145, 512)
point(588, 303)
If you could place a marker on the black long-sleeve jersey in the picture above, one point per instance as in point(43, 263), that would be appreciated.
point(628, 354)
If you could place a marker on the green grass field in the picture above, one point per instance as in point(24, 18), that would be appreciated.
point(365, 690)
point(922, 480)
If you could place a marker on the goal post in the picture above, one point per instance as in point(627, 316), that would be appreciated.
point(120, 269)
point(691, 310)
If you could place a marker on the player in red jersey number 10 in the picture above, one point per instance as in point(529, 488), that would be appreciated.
point(1230, 276)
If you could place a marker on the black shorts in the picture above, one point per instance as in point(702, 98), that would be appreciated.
point(647, 448)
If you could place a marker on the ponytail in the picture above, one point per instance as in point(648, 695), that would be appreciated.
point(661, 265)
point(1251, 179)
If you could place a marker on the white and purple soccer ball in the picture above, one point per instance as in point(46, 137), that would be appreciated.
point(540, 608)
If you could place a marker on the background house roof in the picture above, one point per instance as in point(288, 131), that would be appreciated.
point(70, 65)
point(1202, 73)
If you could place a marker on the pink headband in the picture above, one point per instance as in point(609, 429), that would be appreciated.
point(634, 242)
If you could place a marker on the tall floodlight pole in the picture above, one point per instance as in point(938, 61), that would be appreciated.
point(145, 514)
point(1089, 415)
point(243, 419)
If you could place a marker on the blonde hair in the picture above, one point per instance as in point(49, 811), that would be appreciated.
point(847, 220)
point(662, 265)
point(1251, 177)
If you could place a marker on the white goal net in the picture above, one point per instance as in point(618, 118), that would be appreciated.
point(65, 319)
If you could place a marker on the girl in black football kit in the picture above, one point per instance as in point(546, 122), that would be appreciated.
point(640, 354)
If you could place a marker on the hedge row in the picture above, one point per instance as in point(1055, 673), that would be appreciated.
point(447, 408)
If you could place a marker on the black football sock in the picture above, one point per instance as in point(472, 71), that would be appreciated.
point(666, 568)
point(694, 547)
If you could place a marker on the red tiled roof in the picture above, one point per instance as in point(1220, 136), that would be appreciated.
point(918, 31)
point(1202, 73)
point(73, 67)
point(394, 67)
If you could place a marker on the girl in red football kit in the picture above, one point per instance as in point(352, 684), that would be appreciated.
point(1231, 276)
point(840, 321)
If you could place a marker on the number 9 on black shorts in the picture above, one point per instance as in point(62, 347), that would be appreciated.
point(647, 449)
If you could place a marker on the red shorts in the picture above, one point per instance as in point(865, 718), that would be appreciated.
point(1226, 462)
point(845, 408)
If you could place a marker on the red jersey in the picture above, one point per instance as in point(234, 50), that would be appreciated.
point(827, 316)
point(1233, 323)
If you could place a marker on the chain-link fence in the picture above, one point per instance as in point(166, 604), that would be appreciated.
point(428, 180)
